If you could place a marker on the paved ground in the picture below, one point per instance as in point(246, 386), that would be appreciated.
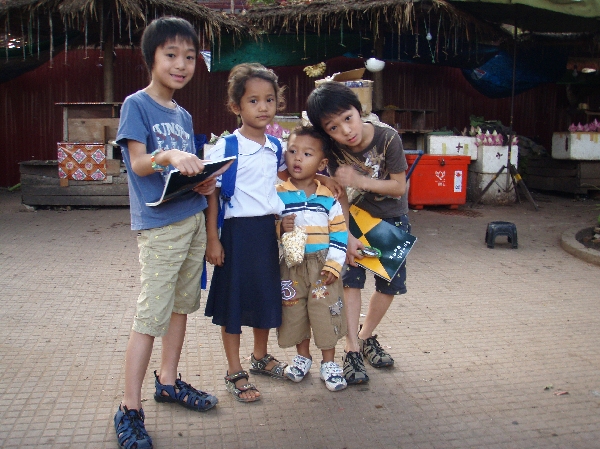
point(484, 341)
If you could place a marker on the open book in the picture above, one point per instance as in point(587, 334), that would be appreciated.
point(392, 243)
point(177, 184)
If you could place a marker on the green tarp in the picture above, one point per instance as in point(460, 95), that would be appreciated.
point(285, 50)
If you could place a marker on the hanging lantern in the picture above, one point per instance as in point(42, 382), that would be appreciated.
point(374, 65)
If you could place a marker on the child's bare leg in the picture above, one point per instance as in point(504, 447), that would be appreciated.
point(352, 303)
point(172, 343)
point(231, 344)
point(260, 363)
point(137, 357)
point(378, 306)
point(303, 348)
point(261, 338)
point(328, 354)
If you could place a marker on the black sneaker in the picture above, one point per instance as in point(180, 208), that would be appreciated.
point(354, 368)
point(374, 353)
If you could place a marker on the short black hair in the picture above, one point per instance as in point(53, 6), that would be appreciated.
point(330, 98)
point(162, 30)
point(308, 130)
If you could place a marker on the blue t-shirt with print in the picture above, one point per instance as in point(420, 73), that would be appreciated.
point(146, 121)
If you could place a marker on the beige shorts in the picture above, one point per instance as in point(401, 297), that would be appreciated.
point(172, 262)
point(309, 303)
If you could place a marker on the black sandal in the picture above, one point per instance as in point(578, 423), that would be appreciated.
point(260, 367)
point(236, 392)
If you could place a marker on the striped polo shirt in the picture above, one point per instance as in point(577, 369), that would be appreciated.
point(322, 217)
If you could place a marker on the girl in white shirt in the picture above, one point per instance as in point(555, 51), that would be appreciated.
point(246, 288)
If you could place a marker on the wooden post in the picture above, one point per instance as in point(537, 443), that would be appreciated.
point(378, 101)
point(108, 66)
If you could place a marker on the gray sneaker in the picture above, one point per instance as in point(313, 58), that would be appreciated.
point(354, 368)
point(374, 353)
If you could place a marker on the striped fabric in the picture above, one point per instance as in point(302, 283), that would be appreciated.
point(322, 217)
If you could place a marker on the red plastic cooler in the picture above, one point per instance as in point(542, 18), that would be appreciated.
point(438, 180)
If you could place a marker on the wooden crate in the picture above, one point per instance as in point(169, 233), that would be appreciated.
point(92, 129)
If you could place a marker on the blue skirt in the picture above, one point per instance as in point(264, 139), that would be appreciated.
point(246, 290)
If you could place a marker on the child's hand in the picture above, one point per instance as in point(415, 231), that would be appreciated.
point(330, 278)
point(332, 185)
point(352, 250)
point(349, 177)
point(214, 252)
point(187, 163)
point(287, 223)
point(206, 187)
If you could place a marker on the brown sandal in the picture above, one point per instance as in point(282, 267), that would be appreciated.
point(236, 392)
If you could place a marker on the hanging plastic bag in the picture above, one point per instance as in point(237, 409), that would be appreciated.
point(293, 244)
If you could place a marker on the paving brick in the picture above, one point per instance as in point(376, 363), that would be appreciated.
point(479, 336)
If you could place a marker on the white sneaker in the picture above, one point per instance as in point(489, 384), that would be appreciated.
point(298, 369)
point(333, 376)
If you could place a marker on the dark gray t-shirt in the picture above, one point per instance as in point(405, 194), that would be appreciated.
point(383, 156)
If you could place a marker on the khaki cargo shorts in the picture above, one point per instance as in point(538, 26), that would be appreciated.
point(172, 260)
point(309, 303)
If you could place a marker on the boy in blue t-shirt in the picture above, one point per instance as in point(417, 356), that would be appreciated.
point(156, 135)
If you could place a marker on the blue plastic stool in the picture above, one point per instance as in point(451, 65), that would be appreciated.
point(496, 228)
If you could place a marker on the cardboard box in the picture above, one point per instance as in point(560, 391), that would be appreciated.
point(576, 146)
point(362, 88)
point(350, 75)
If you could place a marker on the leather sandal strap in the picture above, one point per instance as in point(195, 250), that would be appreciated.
point(237, 376)
point(246, 387)
point(265, 361)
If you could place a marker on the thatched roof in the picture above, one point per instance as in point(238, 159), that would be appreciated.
point(374, 16)
point(37, 29)
point(125, 18)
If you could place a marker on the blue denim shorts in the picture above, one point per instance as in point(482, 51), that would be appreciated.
point(355, 277)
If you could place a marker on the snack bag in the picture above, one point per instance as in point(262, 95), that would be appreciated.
point(293, 246)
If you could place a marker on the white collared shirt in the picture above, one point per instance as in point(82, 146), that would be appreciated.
point(255, 193)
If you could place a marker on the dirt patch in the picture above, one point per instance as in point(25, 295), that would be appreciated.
point(586, 238)
point(463, 212)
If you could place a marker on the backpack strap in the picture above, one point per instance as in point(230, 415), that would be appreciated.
point(279, 151)
point(228, 178)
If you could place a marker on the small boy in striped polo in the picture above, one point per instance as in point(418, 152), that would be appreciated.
point(312, 293)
